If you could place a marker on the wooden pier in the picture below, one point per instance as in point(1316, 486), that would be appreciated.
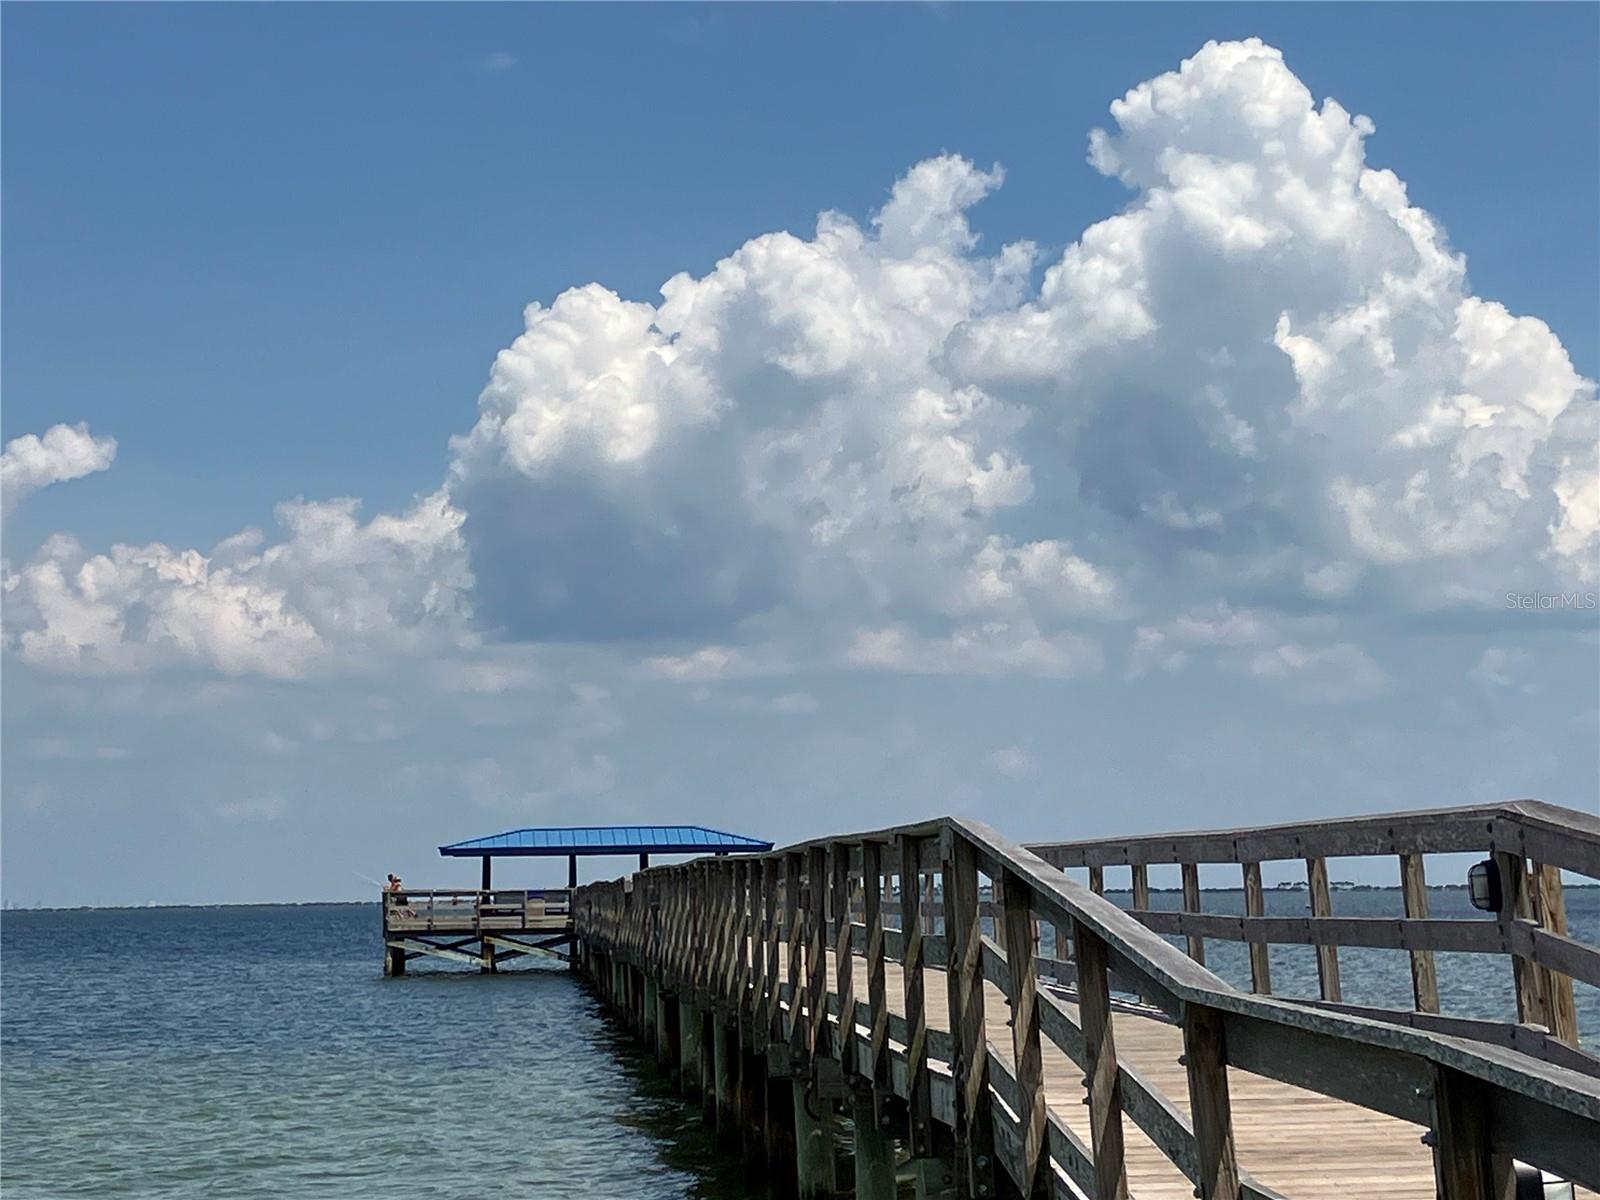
point(485, 926)
point(810, 1009)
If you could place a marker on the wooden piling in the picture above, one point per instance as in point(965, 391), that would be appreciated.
point(813, 1142)
point(874, 1152)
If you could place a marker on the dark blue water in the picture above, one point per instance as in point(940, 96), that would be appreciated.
point(258, 1052)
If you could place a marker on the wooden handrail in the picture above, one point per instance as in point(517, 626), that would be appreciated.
point(1530, 843)
point(1535, 1111)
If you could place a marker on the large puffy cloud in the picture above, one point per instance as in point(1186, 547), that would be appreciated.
point(1264, 382)
point(1263, 387)
point(64, 452)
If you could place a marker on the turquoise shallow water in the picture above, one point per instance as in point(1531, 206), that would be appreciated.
point(257, 1052)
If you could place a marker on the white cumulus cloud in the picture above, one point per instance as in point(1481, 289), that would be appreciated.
point(65, 452)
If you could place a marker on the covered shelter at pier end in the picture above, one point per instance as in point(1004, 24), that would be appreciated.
point(578, 841)
point(485, 926)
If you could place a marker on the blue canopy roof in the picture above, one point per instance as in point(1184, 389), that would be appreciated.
point(607, 839)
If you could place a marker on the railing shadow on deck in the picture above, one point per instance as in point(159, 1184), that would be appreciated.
point(750, 937)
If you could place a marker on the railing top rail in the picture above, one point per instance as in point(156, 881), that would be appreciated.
point(1150, 958)
point(1558, 836)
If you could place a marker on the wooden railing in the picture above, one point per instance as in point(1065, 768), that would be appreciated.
point(1530, 844)
point(750, 938)
point(470, 910)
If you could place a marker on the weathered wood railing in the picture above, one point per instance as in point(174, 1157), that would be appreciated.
point(472, 910)
point(1530, 844)
point(749, 940)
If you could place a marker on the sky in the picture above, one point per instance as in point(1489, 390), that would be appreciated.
point(423, 421)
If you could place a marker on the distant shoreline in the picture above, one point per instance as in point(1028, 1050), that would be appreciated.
point(1294, 889)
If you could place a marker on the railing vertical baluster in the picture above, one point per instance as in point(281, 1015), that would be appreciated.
point(919, 1085)
point(1097, 880)
point(767, 984)
point(1322, 906)
point(1141, 886)
point(744, 896)
point(1100, 1050)
point(760, 954)
point(1206, 1064)
point(843, 958)
point(1550, 908)
point(1414, 896)
point(1191, 904)
point(1255, 906)
point(877, 993)
point(817, 952)
point(969, 1046)
point(1027, 1053)
point(791, 928)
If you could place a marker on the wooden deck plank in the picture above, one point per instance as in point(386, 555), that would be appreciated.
point(1299, 1143)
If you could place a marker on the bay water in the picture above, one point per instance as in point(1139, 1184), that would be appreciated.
point(256, 1052)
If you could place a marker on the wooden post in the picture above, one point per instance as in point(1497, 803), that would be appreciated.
point(1464, 1168)
point(394, 961)
point(1516, 904)
point(969, 1067)
point(572, 871)
point(874, 1156)
point(919, 1084)
point(1414, 894)
point(813, 1142)
point(1550, 907)
point(1097, 880)
point(1255, 906)
point(1191, 904)
point(1322, 906)
point(1027, 1054)
point(1141, 886)
point(1100, 1052)
point(651, 1010)
point(1207, 1067)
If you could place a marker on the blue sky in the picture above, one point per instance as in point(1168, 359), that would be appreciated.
point(274, 250)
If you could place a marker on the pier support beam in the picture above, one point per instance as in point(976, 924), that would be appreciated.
point(650, 1012)
point(752, 1110)
point(777, 1136)
point(725, 1055)
point(874, 1157)
point(708, 1068)
point(691, 1075)
point(813, 1143)
point(669, 1046)
point(394, 961)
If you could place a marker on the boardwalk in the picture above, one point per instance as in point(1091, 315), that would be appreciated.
point(1306, 1146)
point(995, 1085)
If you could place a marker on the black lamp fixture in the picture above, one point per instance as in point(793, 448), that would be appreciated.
point(1483, 885)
